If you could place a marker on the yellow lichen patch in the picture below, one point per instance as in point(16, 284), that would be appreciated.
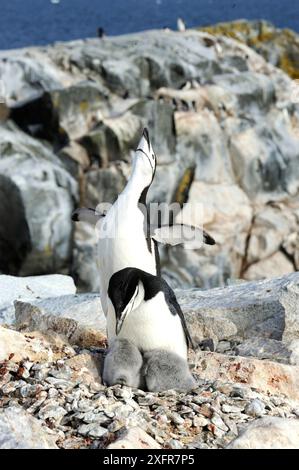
point(55, 100)
point(84, 106)
point(181, 194)
point(288, 65)
point(264, 38)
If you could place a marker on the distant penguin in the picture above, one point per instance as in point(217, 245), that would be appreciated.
point(164, 370)
point(122, 364)
point(147, 312)
point(101, 32)
point(181, 25)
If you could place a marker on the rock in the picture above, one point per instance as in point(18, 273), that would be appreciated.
point(46, 226)
point(134, 438)
point(78, 318)
point(268, 433)
point(263, 348)
point(19, 430)
point(278, 46)
point(265, 376)
point(256, 408)
point(92, 430)
point(104, 185)
point(265, 309)
point(84, 268)
point(86, 367)
point(293, 347)
point(38, 117)
point(52, 412)
point(79, 106)
point(274, 266)
point(29, 288)
point(84, 308)
point(33, 346)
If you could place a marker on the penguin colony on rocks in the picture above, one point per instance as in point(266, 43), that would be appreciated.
point(147, 334)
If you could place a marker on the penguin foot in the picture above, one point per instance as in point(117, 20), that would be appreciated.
point(165, 370)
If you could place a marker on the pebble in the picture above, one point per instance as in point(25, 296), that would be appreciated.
point(200, 421)
point(81, 415)
point(216, 419)
point(176, 418)
point(60, 383)
point(124, 393)
point(53, 411)
point(231, 408)
point(255, 408)
point(173, 444)
point(29, 390)
point(52, 393)
point(9, 388)
point(64, 372)
point(92, 430)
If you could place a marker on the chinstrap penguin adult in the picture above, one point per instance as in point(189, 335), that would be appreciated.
point(122, 364)
point(164, 370)
point(147, 312)
point(124, 237)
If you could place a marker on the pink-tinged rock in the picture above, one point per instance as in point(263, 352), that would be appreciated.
point(134, 438)
point(268, 433)
point(266, 376)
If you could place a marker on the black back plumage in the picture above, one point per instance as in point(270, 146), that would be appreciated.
point(122, 286)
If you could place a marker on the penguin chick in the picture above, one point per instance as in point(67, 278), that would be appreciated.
point(122, 364)
point(165, 370)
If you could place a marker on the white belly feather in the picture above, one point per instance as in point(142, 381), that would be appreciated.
point(151, 326)
point(122, 244)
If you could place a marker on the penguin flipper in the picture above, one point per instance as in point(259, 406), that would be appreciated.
point(175, 309)
point(176, 234)
point(84, 214)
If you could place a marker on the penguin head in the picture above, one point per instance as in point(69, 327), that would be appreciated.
point(144, 160)
point(126, 292)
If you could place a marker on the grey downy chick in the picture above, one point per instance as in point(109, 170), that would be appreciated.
point(122, 364)
point(164, 370)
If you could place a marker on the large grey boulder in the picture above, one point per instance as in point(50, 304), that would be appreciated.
point(84, 308)
point(42, 194)
point(266, 309)
point(268, 433)
point(19, 430)
point(77, 318)
point(30, 288)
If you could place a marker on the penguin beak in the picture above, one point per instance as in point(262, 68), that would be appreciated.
point(119, 324)
point(132, 304)
point(145, 147)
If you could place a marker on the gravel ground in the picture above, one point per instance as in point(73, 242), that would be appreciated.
point(92, 416)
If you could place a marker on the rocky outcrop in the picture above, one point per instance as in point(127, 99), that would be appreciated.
point(264, 376)
point(32, 347)
point(79, 319)
point(29, 288)
point(280, 47)
point(267, 309)
point(224, 125)
point(38, 197)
